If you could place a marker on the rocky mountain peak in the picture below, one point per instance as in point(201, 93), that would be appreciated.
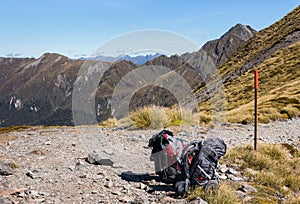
point(220, 50)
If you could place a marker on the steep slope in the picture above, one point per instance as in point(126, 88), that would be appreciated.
point(274, 51)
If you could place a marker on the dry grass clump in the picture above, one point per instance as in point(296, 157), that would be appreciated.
point(13, 128)
point(158, 117)
point(225, 194)
point(111, 122)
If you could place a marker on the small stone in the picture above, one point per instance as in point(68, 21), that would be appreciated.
point(126, 187)
point(223, 168)
point(5, 169)
point(37, 152)
point(115, 192)
point(109, 184)
point(232, 171)
point(153, 182)
point(43, 193)
point(248, 188)
point(83, 176)
point(21, 195)
point(48, 142)
point(223, 177)
point(198, 201)
point(285, 188)
point(143, 186)
point(34, 193)
point(142, 136)
point(241, 194)
point(235, 178)
point(125, 199)
point(30, 174)
point(94, 192)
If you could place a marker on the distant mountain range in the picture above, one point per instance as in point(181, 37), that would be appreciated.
point(39, 91)
point(138, 59)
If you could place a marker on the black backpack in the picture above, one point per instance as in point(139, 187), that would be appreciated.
point(199, 164)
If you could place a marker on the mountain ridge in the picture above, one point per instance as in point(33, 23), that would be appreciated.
point(49, 82)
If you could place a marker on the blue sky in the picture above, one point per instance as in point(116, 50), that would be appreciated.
point(78, 27)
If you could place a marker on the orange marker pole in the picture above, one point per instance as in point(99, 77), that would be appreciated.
point(255, 107)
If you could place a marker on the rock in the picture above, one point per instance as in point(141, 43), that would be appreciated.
point(100, 158)
point(79, 165)
point(143, 186)
point(223, 168)
point(34, 193)
point(223, 177)
point(30, 174)
point(5, 169)
point(126, 187)
point(116, 192)
point(198, 201)
point(248, 188)
point(126, 199)
point(234, 178)
point(109, 184)
point(48, 142)
point(244, 196)
point(37, 152)
point(232, 171)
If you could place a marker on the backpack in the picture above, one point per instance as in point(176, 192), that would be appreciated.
point(166, 152)
point(199, 164)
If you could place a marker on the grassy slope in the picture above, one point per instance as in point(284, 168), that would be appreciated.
point(262, 41)
point(279, 89)
point(279, 75)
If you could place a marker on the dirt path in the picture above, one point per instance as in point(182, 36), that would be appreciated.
point(52, 167)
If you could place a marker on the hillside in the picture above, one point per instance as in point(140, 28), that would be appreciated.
point(274, 51)
point(39, 91)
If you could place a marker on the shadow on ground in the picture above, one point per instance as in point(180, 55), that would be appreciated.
point(147, 179)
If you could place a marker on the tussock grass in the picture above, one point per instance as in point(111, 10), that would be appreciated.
point(278, 170)
point(158, 117)
point(225, 194)
point(13, 128)
point(111, 122)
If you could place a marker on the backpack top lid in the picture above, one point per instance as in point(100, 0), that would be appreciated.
point(162, 138)
point(217, 144)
